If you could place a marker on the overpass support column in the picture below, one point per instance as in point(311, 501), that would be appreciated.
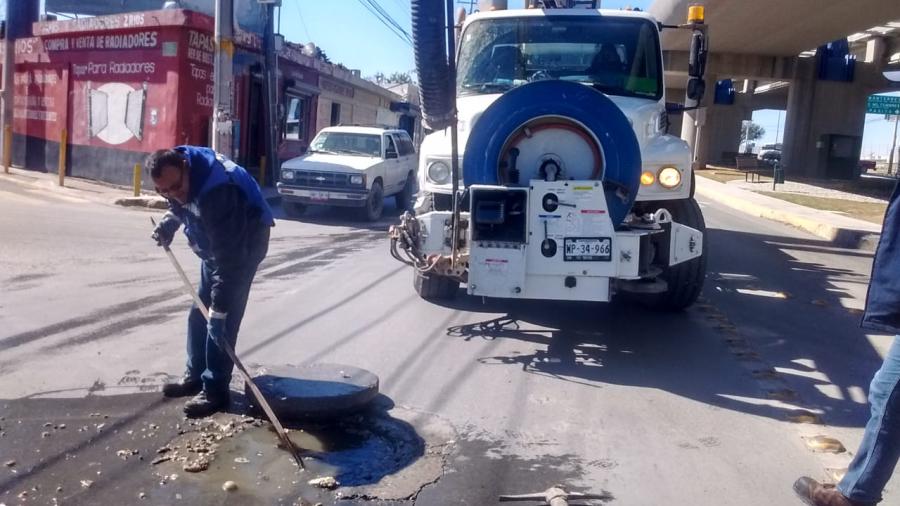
point(722, 134)
point(817, 108)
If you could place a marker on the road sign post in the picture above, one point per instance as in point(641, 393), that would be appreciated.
point(893, 146)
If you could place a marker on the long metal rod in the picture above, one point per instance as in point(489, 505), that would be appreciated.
point(454, 149)
point(893, 146)
point(260, 399)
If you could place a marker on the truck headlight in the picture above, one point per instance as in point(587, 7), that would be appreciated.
point(669, 177)
point(438, 172)
point(287, 174)
point(358, 180)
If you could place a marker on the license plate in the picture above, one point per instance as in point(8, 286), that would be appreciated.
point(588, 249)
point(318, 195)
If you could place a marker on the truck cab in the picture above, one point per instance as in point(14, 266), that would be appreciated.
point(615, 52)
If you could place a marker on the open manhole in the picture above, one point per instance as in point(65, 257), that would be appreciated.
point(356, 451)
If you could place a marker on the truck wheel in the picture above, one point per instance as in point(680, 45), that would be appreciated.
point(374, 204)
point(684, 280)
point(404, 199)
point(293, 209)
point(434, 287)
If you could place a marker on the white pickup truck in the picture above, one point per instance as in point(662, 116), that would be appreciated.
point(351, 166)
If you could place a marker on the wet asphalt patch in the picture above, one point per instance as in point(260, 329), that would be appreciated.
point(138, 449)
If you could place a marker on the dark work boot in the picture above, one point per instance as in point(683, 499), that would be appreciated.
point(183, 387)
point(814, 493)
point(205, 404)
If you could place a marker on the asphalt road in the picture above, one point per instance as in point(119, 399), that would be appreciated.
point(482, 398)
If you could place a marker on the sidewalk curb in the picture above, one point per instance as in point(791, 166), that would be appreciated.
point(148, 202)
point(839, 236)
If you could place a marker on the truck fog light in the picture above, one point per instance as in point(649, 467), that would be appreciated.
point(287, 174)
point(647, 178)
point(439, 172)
point(669, 177)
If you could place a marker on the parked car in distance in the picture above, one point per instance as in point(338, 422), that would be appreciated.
point(351, 166)
point(770, 153)
point(866, 166)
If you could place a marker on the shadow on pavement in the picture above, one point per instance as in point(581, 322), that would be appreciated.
point(723, 350)
point(342, 216)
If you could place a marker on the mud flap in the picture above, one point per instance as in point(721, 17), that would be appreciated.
point(685, 243)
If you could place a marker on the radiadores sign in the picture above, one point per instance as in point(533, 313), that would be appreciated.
point(40, 104)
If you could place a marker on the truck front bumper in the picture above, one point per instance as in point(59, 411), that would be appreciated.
point(322, 197)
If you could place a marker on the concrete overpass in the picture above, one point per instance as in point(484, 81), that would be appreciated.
point(768, 48)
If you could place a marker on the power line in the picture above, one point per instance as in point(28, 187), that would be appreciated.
point(302, 23)
point(386, 20)
point(390, 19)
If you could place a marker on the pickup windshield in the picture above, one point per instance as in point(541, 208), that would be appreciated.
point(615, 55)
point(347, 144)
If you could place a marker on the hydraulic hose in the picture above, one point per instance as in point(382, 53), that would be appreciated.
point(429, 31)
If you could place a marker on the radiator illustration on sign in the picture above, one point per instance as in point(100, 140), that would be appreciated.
point(116, 112)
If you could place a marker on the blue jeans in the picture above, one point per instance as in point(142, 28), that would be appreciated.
point(204, 358)
point(879, 451)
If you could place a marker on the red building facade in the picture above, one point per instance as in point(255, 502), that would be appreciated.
point(121, 86)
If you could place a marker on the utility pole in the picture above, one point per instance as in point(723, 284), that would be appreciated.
point(223, 87)
point(893, 146)
point(6, 94)
point(778, 128)
point(271, 60)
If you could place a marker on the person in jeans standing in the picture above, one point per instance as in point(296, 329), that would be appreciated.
point(874, 462)
point(227, 223)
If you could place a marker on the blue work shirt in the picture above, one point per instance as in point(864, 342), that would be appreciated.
point(883, 301)
point(223, 217)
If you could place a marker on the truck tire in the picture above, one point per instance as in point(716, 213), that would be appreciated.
point(684, 280)
point(404, 199)
point(434, 287)
point(293, 209)
point(374, 206)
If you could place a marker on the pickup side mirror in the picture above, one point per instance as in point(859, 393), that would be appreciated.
point(390, 154)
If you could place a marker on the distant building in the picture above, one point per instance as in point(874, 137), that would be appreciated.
point(127, 84)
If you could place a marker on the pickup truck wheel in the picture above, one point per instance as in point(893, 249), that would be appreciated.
point(684, 280)
point(293, 209)
point(374, 204)
point(404, 199)
point(434, 287)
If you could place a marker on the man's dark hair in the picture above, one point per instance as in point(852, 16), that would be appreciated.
point(163, 158)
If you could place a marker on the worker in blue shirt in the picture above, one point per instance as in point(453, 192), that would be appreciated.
point(874, 461)
point(227, 222)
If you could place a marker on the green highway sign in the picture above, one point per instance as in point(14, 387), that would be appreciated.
point(883, 104)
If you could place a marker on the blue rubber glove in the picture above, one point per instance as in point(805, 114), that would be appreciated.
point(216, 326)
point(165, 230)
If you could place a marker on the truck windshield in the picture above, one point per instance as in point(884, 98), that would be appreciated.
point(347, 143)
point(617, 56)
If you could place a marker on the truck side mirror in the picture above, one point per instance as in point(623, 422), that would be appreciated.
point(696, 88)
point(697, 59)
